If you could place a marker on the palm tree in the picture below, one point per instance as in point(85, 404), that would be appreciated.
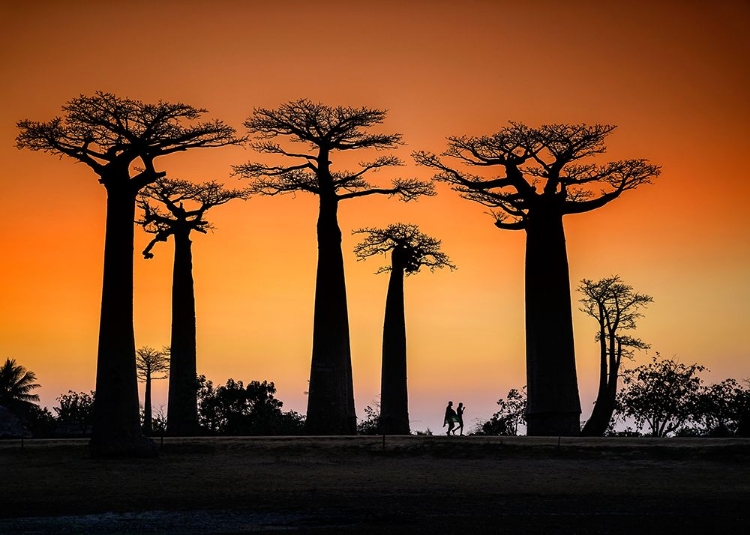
point(16, 383)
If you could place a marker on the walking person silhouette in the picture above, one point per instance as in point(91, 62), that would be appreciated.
point(460, 419)
point(450, 417)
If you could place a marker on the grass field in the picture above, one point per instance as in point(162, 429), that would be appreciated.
point(413, 484)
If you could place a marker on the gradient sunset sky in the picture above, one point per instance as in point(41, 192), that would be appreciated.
point(673, 75)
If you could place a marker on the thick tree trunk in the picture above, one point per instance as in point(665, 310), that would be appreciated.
point(598, 422)
point(182, 410)
point(116, 423)
point(147, 413)
point(330, 402)
point(554, 406)
point(394, 398)
point(601, 415)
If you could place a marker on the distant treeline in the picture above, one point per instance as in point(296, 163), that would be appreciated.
point(663, 398)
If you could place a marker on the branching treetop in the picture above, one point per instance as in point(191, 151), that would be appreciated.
point(540, 167)
point(615, 306)
point(174, 194)
point(151, 363)
point(417, 249)
point(109, 133)
point(323, 129)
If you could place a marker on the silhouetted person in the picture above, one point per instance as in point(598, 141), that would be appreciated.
point(450, 417)
point(460, 419)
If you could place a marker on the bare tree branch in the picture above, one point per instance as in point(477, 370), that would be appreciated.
point(109, 133)
point(418, 249)
point(174, 195)
point(540, 167)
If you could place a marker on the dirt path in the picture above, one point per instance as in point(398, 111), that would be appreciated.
point(352, 484)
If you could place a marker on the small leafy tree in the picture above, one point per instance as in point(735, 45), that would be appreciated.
point(510, 416)
point(370, 425)
point(720, 408)
point(236, 409)
point(662, 395)
point(410, 250)
point(75, 413)
point(150, 364)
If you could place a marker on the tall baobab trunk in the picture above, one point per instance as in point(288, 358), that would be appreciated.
point(182, 411)
point(116, 422)
point(330, 403)
point(394, 398)
point(554, 407)
point(147, 412)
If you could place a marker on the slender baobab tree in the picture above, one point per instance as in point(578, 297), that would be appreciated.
point(186, 204)
point(542, 179)
point(119, 139)
point(150, 364)
point(410, 250)
point(615, 307)
point(325, 130)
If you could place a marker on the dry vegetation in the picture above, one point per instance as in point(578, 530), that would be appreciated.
point(414, 484)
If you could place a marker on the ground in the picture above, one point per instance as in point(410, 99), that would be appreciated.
point(416, 484)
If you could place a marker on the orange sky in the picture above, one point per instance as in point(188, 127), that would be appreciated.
point(675, 79)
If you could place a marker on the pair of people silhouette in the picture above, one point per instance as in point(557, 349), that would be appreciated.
point(454, 418)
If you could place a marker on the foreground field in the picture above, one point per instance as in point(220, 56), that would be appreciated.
point(363, 485)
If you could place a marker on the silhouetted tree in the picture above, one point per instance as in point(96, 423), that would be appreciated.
point(662, 395)
point(371, 423)
point(16, 384)
point(615, 307)
point(720, 408)
point(186, 204)
point(410, 250)
point(119, 139)
point(508, 418)
point(542, 182)
point(151, 364)
point(325, 130)
point(236, 409)
point(75, 413)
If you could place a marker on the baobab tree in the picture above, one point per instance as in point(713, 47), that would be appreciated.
point(150, 364)
point(119, 139)
point(324, 130)
point(410, 250)
point(541, 181)
point(186, 204)
point(615, 307)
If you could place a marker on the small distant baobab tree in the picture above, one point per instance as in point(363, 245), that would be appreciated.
point(410, 250)
point(119, 139)
point(615, 307)
point(325, 130)
point(542, 180)
point(186, 204)
point(150, 364)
